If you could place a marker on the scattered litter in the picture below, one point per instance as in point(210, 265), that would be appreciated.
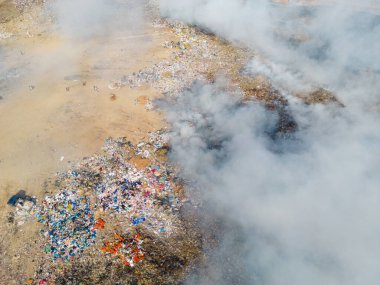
point(111, 184)
point(159, 139)
point(11, 217)
point(24, 208)
point(128, 250)
point(23, 212)
point(99, 224)
point(70, 223)
point(5, 35)
point(21, 196)
point(149, 106)
point(114, 85)
point(189, 62)
point(113, 97)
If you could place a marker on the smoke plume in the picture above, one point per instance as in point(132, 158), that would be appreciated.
point(302, 207)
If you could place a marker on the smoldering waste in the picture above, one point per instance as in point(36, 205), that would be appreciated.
point(117, 218)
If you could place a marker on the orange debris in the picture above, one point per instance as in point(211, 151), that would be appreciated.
point(99, 224)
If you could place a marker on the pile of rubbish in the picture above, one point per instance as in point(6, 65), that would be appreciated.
point(70, 223)
point(189, 62)
point(122, 183)
point(24, 205)
point(159, 139)
point(128, 250)
point(167, 77)
point(117, 216)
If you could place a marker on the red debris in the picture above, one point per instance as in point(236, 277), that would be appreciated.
point(99, 224)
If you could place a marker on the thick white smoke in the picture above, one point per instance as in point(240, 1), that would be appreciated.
point(305, 204)
point(308, 208)
point(329, 45)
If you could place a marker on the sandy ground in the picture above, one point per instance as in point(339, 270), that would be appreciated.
point(53, 113)
point(7, 11)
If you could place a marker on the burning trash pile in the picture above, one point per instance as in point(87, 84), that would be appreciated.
point(110, 202)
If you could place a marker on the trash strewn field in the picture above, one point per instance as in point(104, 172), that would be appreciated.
point(122, 216)
point(118, 217)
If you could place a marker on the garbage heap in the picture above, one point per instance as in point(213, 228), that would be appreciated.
point(118, 218)
point(194, 56)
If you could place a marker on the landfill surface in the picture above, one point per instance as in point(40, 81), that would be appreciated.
point(122, 216)
point(117, 218)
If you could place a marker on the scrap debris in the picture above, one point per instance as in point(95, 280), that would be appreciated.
point(69, 221)
point(25, 206)
point(124, 205)
point(128, 250)
point(110, 186)
point(170, 77)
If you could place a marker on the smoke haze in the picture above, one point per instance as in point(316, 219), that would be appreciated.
point(91, 29)
point(82, 37)
point(327, 45)
point(304, 205)
point(89, 18)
